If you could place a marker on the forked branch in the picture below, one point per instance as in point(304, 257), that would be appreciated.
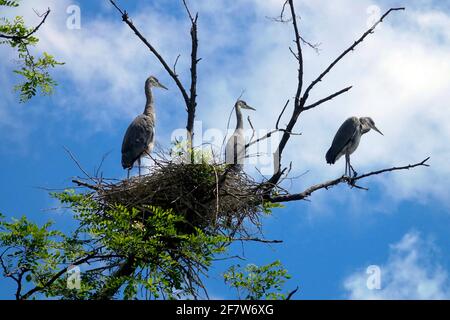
point(300, 100)
point(350, 181)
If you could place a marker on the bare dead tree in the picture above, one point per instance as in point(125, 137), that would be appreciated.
point(301, 99)
point(300, 103)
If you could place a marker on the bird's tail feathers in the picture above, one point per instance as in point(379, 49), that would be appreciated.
point(330, 156)
point(126, 162)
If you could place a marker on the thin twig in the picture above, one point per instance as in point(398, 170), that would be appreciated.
point(315, 104)
point(349, 49)
point(253, 129)
point(72, 156)
point(291, 293)
point(155, 52)
point(258, 240)
point(175, 64)
point(268, 135)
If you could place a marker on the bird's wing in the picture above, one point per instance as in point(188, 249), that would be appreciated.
point(138, 137)
point(343, 136)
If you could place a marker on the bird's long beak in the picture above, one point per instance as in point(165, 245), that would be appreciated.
point(161, 86)
point(248, 107)
point(376, 129)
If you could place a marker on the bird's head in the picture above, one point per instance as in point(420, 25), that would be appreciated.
point(243, 105)
point(368, 124)
point(153, 82)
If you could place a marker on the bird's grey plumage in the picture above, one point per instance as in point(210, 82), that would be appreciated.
point(140, 135)
point(347, 139)
point(343, 138)
point(235, 148)
point(139, 139)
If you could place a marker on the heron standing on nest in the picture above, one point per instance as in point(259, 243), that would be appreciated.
point(347, 140)
point(140, 135)
point(235, 148)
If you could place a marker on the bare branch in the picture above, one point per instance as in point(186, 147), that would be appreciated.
point(72, 156)
point(299, 105)
point(281, 18)
point(343, 54)
point(193, 90)
point(171, 73)
point(409, 166)
point(268, 135)
point(85, 184)
point(292, 293)
point(258, 240)
point(299, 52)
point(193, 20)
point(314, 46)
point(281, 114)
point(175, 64)
point(351, 181)
point(297, 102)
point(315, 104)
point(253, 129)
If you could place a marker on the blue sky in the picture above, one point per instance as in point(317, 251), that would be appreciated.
point(400, 78)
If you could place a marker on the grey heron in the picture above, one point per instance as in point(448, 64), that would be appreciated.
point(140, 135)
point(235, 148)
point(347, 139)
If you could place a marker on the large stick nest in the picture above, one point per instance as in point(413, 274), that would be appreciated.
point(211, 197)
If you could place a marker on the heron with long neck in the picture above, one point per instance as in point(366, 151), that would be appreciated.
point(235, 148)
point(140, 136)
point(347, 139)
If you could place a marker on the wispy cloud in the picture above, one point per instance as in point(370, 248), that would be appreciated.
point(400, 78)
point(411, 272)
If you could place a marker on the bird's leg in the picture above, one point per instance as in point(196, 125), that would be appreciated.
point(139, 166)
point(128, 173)
point(354, 172)
point(346, 164)
point(351, 168)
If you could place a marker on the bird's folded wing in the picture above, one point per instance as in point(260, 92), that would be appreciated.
point(137, 138)
point(343, 136)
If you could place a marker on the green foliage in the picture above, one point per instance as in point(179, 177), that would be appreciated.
point(9, 3)
point(161, 259)
point(258, 283)
point(31, 251)
point(129, 253)
point(267, 207)
point(36, 75)
point(33, 69)
point(182, 151)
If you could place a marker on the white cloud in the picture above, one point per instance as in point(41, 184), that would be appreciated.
point(410, 273)
point(400, 78)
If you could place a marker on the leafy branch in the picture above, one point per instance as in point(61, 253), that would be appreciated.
point(34, 70)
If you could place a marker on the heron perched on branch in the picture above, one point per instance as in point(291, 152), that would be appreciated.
point(235, 148)
point(140, 135)
point(347, 140)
